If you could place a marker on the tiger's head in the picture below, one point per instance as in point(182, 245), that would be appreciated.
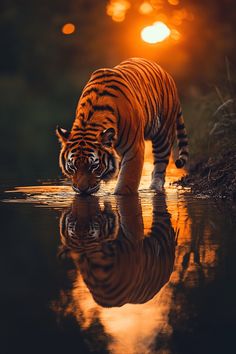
point(88, 227)
point(87, 157)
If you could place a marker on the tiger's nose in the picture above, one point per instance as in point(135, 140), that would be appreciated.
point(80, 190)
point(81, 184)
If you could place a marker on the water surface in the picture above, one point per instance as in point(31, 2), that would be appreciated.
point(153, 273)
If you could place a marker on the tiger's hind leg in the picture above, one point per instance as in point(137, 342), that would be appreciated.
point(161, 148)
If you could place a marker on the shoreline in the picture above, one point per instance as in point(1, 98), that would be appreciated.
point(214, 177)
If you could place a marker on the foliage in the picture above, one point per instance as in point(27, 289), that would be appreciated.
point(28, 119)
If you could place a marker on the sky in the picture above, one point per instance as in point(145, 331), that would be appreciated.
point(35, 46)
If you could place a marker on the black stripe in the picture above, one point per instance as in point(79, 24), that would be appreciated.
point(131, 145)
point(159, 139)
point(180, 126)
point(118, 119)
point(182, 136)
point(182, 144)
point(73, 144)
point(184, 153)
point(77, 128)
point(146, 109)
point(117, 82)
point(82, 135)
point(106, 93)
point(90, 114)
point(154, 71)
point(120, 141)
point(93, 124)
point(161, 172)
point(110, 120)
point(88, 91)
point(75, 139)
point(179, 114)
point(117, 88)
point(78, 138)
point(127, 136)
point(81, 115)
point(151, 72)
point(103, 76)
point(91, 144)
point(89, 101)
point(143, 70)
point(88, 149)
point(103, 108)
point(161, 161)
point(89, 139)
point(134, 82)
point(161, 149)
point(63, 159)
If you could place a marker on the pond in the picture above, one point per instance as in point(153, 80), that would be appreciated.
point(153, 273)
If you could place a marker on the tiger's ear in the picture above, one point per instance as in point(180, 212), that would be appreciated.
point(62, 134)
point(107, 136)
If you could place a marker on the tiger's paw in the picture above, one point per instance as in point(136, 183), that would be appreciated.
point(157, 184)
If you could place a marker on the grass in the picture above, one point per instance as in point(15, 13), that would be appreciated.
point(211, 119)
point(223, 131)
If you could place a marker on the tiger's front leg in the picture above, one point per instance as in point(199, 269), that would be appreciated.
point(131, 219)
point(130, 172)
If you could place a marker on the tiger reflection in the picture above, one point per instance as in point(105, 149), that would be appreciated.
point(119, 263)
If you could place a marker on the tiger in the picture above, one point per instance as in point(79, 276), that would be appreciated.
point(118, 110)
point(120, 263)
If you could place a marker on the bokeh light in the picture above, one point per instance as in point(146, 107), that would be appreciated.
point(155, 33)
point(68, 28)
point(145, 8)
point(173, 2)
point(180, 15)
point(117, 9)
point(175, 34)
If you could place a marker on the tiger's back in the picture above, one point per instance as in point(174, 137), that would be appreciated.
point(154, 91)
point(119, 108)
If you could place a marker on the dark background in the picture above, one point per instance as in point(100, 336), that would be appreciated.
point(42, 70)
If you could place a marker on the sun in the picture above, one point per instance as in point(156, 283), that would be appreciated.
point(155, 33)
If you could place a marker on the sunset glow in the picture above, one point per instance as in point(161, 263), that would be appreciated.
point(155, 33)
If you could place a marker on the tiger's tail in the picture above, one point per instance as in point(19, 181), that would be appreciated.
point(182, 140)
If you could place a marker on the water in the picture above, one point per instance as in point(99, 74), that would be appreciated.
point(106, 274)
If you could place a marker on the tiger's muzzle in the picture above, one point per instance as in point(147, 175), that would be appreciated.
point(85, 182)
point(89, 190)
